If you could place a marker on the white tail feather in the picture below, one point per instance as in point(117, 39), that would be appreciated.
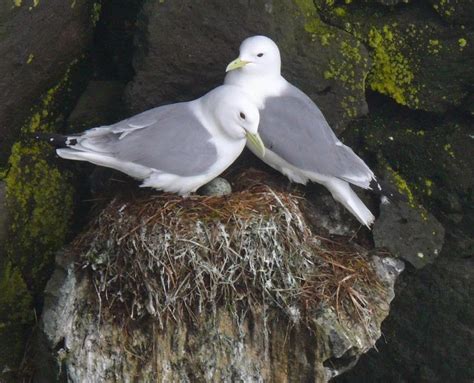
point(342, 192)
point(133, 170)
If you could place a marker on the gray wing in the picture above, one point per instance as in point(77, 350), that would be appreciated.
point(293, 127)
point(168, 138)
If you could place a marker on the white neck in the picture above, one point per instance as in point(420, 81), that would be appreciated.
point(257, 87)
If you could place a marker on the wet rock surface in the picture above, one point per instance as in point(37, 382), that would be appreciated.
point(3, 218)
point(417, 58)
point(38, 41)
point(435, 299)
point(408, 233)
point(326, 62)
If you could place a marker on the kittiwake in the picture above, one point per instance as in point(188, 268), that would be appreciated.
point(175, 148)
point(299, 142)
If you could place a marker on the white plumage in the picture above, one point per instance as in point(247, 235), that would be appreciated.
point(299, 142)
point(175, 148)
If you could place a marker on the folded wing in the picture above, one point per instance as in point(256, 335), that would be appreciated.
point(294, 128)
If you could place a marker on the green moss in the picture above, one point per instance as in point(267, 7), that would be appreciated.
point(346, 64)
point(428, 187)
point(339, 11)
point(444, 8)
point(39, 197)
point(402, 186)
point(16, 316)
point(392, 73)
point(17, 3)
point(434, 46)
point(40, 201)
point(406, 189)
point(462, 43)
point(449, 149)
point(313, 25)
point(95, 15)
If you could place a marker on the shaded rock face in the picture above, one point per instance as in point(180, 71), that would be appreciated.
point(409, 233)
point(426, 338)
point(418, 59)
point(326, 62)
point(437, 299)
point(38, 41)
point(3, 218)
point(212, 330)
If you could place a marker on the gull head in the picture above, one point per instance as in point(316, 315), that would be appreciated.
point(258, 55)
point(238, 116)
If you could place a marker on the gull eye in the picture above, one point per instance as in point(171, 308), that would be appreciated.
point(242, 116)
point(260, 55)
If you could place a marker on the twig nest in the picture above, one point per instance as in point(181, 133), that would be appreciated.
point(172, 258)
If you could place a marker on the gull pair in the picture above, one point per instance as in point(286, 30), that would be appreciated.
point(182, 146)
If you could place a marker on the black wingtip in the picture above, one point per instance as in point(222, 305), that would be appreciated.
point(54, 139)
point(388, 193)
point(375, 186)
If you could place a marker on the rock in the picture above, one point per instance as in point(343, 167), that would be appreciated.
point(409, 233)
point(99, 104)
point(211, 323)
point(36, 57)
point(326, 62)
point(455, 12)
point(428, 334)
point(324, 213)
point(3, 219)
point(217, 187)
point(418, 59)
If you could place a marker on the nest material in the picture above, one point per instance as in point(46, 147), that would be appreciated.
point(170, 257)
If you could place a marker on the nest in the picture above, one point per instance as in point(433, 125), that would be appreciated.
point(172, 258)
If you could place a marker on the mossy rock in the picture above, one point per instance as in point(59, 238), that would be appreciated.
point(430, 158)
point(16, 318)
point(329, 64)
point(459, 12)
point(39, 203)
point(418, 60)
point(38, 40)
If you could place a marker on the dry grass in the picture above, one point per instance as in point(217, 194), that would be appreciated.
point(173, 258)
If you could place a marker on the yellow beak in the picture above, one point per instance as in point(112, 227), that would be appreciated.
point(256, 143)
point(236, 64)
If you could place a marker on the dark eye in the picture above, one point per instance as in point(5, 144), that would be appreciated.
point(242, 115)
point(260, 55)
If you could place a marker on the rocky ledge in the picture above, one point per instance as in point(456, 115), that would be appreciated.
point(232, 288)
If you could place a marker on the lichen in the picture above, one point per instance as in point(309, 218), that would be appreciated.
point(428, 187)
point(16, 315)
point(313, 25)
point(405, 189)
point(96, 10)
point(444, 8)
point(434, 46)
point(462, 43)
point(392, 72)
point(39, 200)
point(39, 197)
point(449, 149)
point(402, 186)
point(347, 65)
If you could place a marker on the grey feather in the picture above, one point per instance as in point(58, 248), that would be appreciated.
point(168, 138)
point(293, 127)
